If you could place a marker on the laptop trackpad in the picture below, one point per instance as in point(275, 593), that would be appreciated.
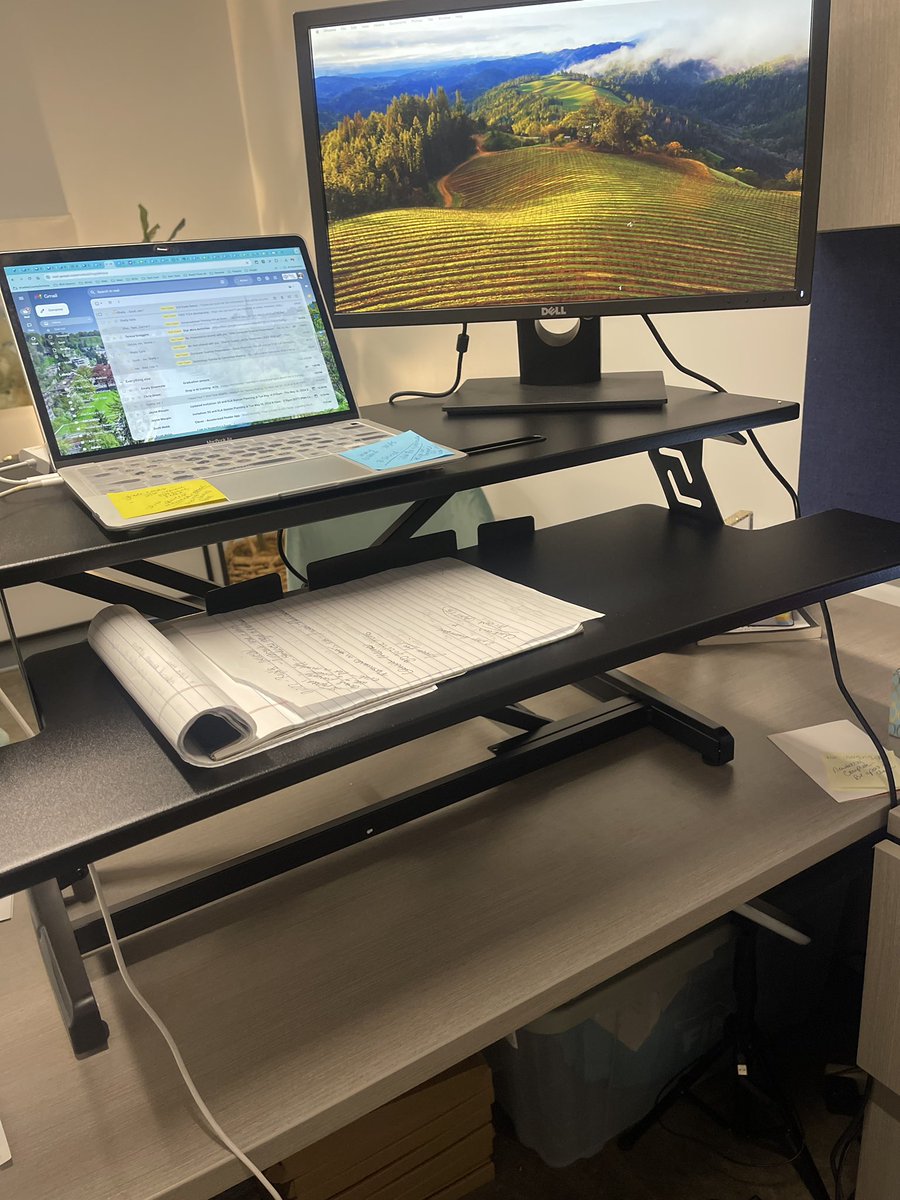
point(287, 479)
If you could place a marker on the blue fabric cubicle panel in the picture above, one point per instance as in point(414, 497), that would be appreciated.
point(850, 452)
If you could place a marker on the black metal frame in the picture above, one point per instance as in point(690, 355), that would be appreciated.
point(625, 706)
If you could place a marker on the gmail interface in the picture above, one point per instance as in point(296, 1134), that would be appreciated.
point(135, 351)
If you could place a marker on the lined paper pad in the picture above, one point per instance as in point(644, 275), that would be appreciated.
point(165, 498)
point(313, 659)
point(404, 450)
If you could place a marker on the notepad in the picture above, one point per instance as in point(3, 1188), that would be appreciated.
point(219, 688)
point(810, 749)
point(404, 450)
point(165, 498)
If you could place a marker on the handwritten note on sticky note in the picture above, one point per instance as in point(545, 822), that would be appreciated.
point(852, 772)
point(404, 450)
point(142, 502)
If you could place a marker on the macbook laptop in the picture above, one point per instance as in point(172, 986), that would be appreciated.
point(158, 364)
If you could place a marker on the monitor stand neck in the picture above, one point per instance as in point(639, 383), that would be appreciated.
point(548, 359)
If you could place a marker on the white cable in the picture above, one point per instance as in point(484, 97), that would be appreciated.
point(12, 463)
point(214, 1126)
point(33, 482)
point(15, 714)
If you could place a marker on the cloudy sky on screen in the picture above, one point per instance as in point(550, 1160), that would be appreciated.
point(733, 34)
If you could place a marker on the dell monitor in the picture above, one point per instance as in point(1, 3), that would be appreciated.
point(487, 161)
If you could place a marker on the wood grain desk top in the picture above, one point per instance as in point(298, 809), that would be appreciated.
point(318, 996)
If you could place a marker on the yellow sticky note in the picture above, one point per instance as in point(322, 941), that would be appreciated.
point(858, 772)
point(143, 501)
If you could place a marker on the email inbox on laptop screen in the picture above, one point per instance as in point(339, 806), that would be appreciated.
point(141, 350)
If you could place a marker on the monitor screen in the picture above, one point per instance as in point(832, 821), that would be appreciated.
point(128, 351)
point(593, 156)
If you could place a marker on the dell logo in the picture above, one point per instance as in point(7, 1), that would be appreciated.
point(554, 310)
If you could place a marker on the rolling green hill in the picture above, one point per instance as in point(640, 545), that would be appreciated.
point(545, 224)
point(569, 94)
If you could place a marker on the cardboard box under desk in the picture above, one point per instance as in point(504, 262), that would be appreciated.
point(333, 1179)
point(464, 1187)
point(457, 1101)
point(405, 1181)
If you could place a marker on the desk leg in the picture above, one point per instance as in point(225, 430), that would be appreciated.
point(88, 1032)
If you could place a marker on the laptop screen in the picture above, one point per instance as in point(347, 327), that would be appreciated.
point(134, 351)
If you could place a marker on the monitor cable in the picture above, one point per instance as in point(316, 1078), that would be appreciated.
point(826, 615)
point(212, 1124)
point(462, 345)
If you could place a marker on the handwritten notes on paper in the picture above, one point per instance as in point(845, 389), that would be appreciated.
point(143, 502)
point(222, 687)
point(852, 772)
point(404, 450)
point(842, 741)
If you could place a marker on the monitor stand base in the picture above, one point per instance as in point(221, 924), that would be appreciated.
point(559, 372)
point(614, 390)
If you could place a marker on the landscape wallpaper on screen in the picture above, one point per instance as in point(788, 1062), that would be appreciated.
point(564, 153)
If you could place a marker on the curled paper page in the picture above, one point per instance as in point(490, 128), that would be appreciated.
point(193, 715)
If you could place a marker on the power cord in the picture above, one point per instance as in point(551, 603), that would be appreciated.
point(22, 485)
point(212, 1124)
point(853, 1133)
point(287, 562)
point(462, 345)
point(30, 481)
point(826, 615)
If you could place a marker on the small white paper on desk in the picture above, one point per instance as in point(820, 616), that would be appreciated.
point(5, 1153)
point(6, 908)
point(808, 747)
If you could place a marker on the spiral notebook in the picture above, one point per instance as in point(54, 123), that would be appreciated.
point(219, 688)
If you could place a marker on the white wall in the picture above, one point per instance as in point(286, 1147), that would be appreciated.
point(140, 105)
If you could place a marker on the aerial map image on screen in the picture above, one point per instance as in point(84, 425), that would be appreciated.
point(581, 151)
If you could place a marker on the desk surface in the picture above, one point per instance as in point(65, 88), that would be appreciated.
point(318, 996)
point(45, 534)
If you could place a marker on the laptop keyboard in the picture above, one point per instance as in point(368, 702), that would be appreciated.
point(242, 454)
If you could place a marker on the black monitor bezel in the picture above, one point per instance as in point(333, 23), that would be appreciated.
point(22, 258)
point(304, 22)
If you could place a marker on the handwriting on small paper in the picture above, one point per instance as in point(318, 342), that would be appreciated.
point(857, 772)
point(142, 502)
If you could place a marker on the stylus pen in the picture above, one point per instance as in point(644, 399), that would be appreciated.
point(519, 441)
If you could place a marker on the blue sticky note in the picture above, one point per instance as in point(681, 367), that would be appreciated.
point(404, 450)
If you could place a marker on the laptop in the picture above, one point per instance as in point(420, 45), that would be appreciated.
point(158, 364)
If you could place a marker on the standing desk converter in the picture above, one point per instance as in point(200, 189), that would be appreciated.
point(663, 576)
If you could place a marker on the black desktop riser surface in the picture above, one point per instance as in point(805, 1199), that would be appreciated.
point(45, 534)
point(98, 779)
